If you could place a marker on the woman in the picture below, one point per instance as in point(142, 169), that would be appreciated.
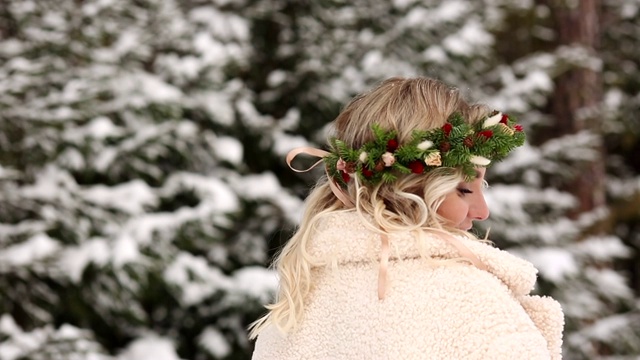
point(382, 266)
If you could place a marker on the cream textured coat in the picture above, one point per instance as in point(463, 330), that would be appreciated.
point(441, 312)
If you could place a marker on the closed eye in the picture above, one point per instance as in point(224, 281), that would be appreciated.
point(465, 191)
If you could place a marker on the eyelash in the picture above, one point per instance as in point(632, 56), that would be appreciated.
point(465, 191)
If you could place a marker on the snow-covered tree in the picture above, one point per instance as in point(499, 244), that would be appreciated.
point(143, 187)
point(562, 214)
point(127, 220)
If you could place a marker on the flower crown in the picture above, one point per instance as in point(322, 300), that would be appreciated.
point(456, 144)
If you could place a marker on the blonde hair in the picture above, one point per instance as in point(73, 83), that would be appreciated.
point(408, 204)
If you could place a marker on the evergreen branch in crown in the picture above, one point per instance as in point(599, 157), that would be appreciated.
point(456, 144)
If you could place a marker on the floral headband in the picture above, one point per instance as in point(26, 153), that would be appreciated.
point(456, 144)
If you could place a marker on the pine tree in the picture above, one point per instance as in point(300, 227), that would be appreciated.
point(124, 202)
point(555, 216)
point(141, 159)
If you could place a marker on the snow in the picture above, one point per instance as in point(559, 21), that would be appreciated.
point(37, 247)
point(555, 264)
point(509, 202)
point(8, 325)
point(469, 40)
point(614, 283)
point(127, 42)
point(52, 183)
point(215, 342)
point(520, 92)
point(139, 231)
point(276, 78)
point(623, 188)
point(105, 158)
point(195, 278)
point(102, 127)
point(258, 282)
point(402, 4)
point(69, 341)
point(73, 260)
point(94, 7)
point(580, 55)
point(150, 347)
point(228, 149)
point(581, 146)
point(125, 250)
point(451, 10)
point(213, 191)
point(212, 50)
point(608, 328)
point(225, 26)
point(8, 173)
point(602, 248)
point(377, 65)
point(429, 18)
point(251, 117)
point(143, 88)
point(629, 10)
point(131, 197)
point(72, 159)
point(218, 105)
point(266, 186)
point(523, 157)
point(283, 143)
point(435, 54)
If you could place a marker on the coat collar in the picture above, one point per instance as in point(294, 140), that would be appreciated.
point(347, 237)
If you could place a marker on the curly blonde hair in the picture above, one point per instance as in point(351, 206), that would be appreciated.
point(408, 204)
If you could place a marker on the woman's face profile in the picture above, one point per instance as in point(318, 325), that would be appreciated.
point(466, 203)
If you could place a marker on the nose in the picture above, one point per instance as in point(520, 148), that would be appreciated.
point(479, 209)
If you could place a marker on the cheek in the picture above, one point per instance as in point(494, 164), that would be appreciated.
point(454, 209)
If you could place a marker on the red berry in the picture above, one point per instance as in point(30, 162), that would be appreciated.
point(447, 128)
point(487, 134)
point(366, 172)
point(345, 177)
point(392, 145)
point(504, 119)
point(416, 166)
point(518, 127)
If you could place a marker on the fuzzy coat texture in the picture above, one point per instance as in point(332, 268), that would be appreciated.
point(429, 312)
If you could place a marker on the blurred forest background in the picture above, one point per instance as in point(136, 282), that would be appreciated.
point(143, 189)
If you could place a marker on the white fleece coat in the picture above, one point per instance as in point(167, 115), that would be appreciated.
point(429, 312)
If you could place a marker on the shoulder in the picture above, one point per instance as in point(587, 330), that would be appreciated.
point(518, 274)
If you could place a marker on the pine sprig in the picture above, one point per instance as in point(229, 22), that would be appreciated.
point(456, 144)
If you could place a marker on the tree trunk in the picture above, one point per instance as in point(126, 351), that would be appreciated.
point(578, 93)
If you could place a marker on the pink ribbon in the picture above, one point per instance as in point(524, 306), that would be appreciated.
point(384, 246)
point(337, 191)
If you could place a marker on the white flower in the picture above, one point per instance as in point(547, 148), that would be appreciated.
point(495, 119)
point(425, 145)
point(433, 159)
point(388, 159)
point(363, 156)
point(479, 160)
